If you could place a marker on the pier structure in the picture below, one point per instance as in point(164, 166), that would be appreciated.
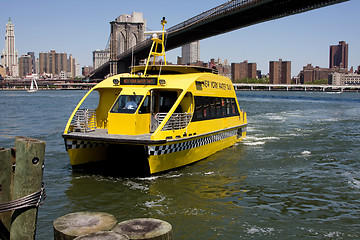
point(296, 87)
point(51, 84)
point(81, 85)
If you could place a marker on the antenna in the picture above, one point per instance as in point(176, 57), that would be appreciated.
point(156, 42)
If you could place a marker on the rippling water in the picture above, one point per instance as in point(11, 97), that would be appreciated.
point(296, 176)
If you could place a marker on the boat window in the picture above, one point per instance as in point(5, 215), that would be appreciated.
point(92, 101)
point(167, 100)
point(145, 107)
point(199, 112)
point(126, 104)
point(214, 107)
point(218, 107)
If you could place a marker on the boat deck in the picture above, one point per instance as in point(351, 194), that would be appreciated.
point(103, 136)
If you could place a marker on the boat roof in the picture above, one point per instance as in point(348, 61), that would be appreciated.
point(171, 69)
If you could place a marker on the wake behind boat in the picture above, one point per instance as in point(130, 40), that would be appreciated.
point(155, 118)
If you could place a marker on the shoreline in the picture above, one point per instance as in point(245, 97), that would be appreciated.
point(237, 87)
point(296, 87)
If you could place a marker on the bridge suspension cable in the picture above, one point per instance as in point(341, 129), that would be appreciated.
point(230, 5)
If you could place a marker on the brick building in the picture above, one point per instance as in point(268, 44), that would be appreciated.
point(25, 65)
point(309, 73)
point(52, 62)
point(280, 72)
point(339, 55)
point(243, 70)
point(86, 70)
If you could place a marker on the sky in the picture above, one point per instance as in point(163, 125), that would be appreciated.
point(79, 27)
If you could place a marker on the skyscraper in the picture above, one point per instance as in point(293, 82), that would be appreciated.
point(339, 55)
point(9, 57)
point(190, 53)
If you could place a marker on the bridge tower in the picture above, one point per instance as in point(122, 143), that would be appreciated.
point(126, 32)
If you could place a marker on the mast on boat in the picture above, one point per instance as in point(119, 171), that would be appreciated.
point(156, 43)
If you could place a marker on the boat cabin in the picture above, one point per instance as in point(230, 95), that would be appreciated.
point(134, 104)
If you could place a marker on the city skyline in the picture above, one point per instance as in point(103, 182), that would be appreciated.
point(76, 29)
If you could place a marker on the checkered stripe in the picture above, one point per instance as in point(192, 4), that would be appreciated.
point(165, 149)
point(75, 144)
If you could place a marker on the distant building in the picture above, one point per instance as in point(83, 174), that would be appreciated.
point(222, 68)
point(71, 68)
point(37, 66)
point(55, 63)
point(86, 70)
point(190, 53)
point(33, 61)
point(9, 56)
point(78, 70)
point(339, 55)
point(199, 64)
point(344, 78)
point(2, 72)
point(100, 57)
point(178, 60)
point(243, 70)
point(309, 73)
point(25, 66)
point(63, 75)
point(280, 72)
point(258, 74)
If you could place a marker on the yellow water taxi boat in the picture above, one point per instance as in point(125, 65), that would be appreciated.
point(155, 118)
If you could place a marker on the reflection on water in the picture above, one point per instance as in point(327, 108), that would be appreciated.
point(296, 175)
point(184, 192)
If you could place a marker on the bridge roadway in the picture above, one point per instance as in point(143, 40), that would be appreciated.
point(224, 18)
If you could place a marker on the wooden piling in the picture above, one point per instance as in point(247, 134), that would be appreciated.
point(145, 228)
point(103, 235)
point(77, 224)
point(6, 178)
point(30, 155)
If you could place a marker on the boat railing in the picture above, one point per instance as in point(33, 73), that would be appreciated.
point(84, 120)
point(176, 121)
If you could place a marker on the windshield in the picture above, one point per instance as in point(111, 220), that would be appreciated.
point(126, 104)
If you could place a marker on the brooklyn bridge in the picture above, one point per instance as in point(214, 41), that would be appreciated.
point(232, 15)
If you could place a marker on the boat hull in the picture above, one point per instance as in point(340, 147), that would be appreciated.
point(131, 159)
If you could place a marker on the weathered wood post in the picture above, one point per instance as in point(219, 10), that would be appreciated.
point(30, 156)
point(145, 228)
point(77, 224)
point(103, 235)
point(6, 178)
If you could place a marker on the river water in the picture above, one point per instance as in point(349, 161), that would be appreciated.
point(296, 176)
